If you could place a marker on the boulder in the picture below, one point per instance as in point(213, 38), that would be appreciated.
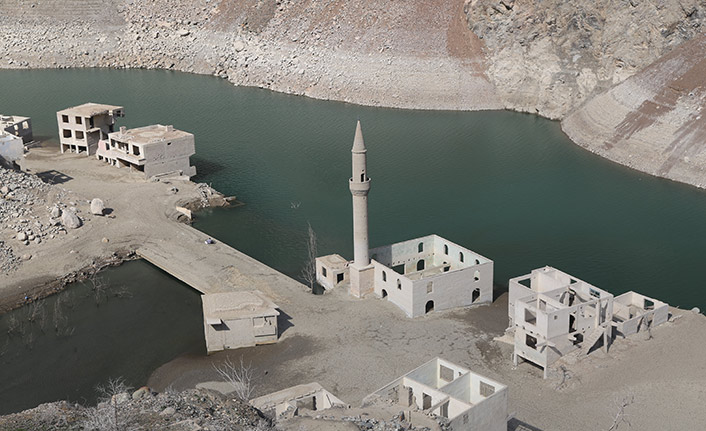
point(97, 206)
point(55, 212)
point(70, 220)
point(140, 393)
point(22, 236)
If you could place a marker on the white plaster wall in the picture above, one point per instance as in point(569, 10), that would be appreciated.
point(454, 289)
point(419, 389)
point(23, 129)
point(401, 297)
point(447, 251)
point(239, 333)
point(169, 156)
point(488, 415)
point(405, 252)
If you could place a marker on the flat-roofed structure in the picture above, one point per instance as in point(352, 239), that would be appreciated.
point(238, 319)
point(17, 126)
point(468, 400)
point(82, 127)
point(153, 150)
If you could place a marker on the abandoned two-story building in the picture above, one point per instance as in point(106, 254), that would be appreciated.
point(419, 275)
point(552, 313)
point(468, 400)
point(82, 127)
point(152, 150)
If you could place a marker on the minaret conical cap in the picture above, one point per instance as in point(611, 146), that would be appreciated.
point(358, 143)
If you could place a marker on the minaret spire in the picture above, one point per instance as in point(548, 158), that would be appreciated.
point(359, 184)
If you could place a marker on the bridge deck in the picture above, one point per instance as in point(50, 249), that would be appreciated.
point(212, 268)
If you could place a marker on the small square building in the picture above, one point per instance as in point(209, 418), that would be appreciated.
point(81, 127)
point(152, 150)
point(468, 400)
point(17, 126)
point(238, 319)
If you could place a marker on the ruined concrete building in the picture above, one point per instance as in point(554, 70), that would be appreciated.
point(238, 319)
point(419, 275)
point(552, 313)
point(153, 150)
point(468, 400)
point(83, 126)
point(16, 126)
point(15, 132)
point(288, 402)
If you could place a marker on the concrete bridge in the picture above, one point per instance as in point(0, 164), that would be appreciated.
point(213, 268)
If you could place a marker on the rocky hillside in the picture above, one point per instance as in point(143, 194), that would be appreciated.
point(143, 410)
point(549, 56)
point(654, 120)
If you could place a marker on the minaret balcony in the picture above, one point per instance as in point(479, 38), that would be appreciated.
point(359, 187)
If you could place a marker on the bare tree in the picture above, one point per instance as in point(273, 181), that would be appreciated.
point(309, 270)
point(112, 412)
point(240, 376)
point(620, 416)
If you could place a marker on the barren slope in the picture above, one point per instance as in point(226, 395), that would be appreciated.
point(550, 56)
point(401, 54)
point(654, 120)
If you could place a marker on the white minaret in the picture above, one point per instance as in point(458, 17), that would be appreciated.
point(359, 184)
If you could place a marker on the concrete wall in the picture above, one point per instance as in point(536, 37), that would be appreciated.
point(22, 129)
point(169, 156)
point(89, 141)
point(394, 287)
point(453, 289)
point(634, 312)
point(489, 414)
point(232, 334)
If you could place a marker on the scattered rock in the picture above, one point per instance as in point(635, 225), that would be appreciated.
point(169, 411)
point(696, 310)
point(97, 207)
point(55, 212)
point(26, 256)
point(70, 220)
point(105, 240)
point(22, 236)
point(183, 32)
point(140, 393)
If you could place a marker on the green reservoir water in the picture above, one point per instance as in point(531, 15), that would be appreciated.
point(509, 186)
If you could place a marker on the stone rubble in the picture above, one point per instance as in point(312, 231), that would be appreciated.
point(31, 213)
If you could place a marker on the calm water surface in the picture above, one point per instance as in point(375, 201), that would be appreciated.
point(509, 186)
